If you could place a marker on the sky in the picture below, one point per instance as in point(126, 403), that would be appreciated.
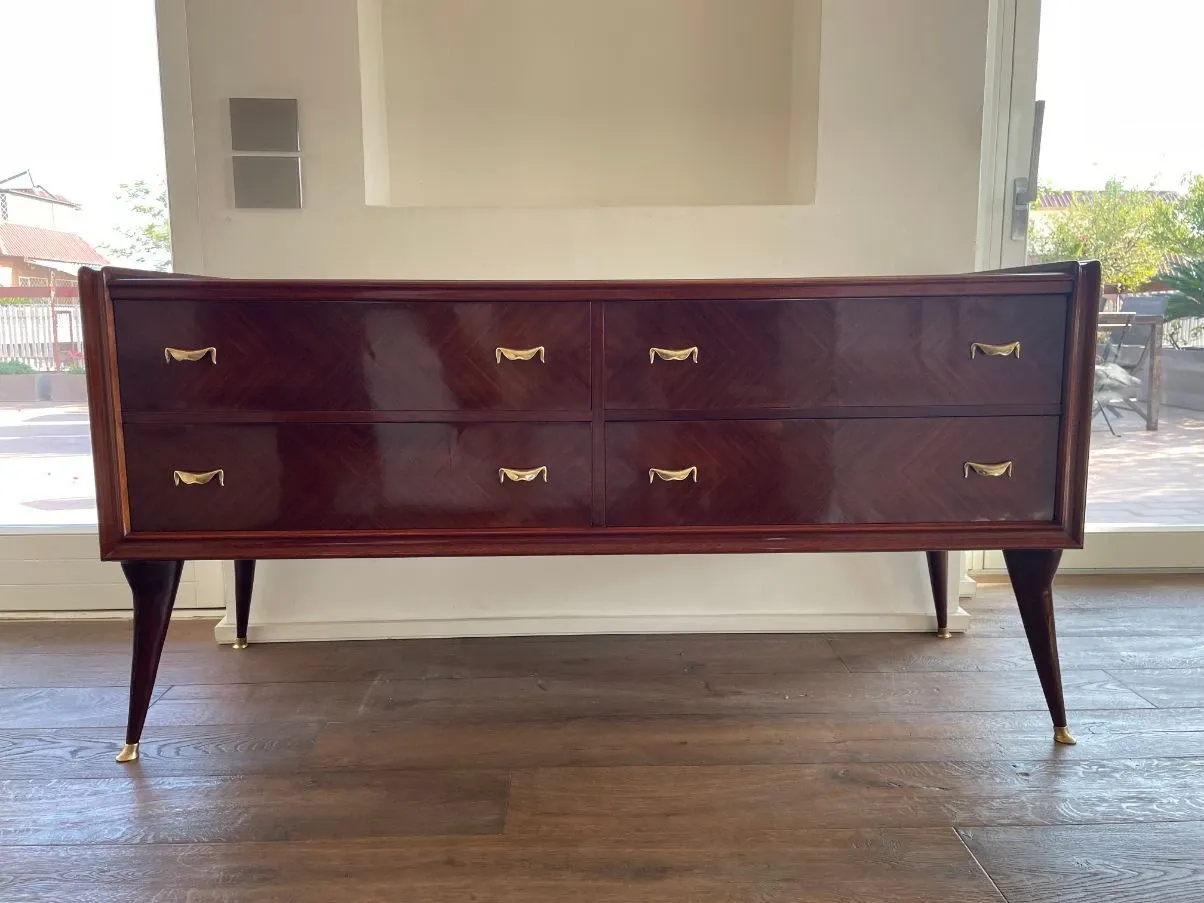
point(82, 107)
point(1123, 86)
point(1121, 80)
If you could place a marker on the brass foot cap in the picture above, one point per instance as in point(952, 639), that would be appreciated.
point(240, 643)
point(1062, 735)
point(129, 753)
point(944, 633)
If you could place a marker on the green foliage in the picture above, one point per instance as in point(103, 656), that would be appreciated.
point(147, 243)
point(15, 368)
point(1128, 231)
point(1187, 279)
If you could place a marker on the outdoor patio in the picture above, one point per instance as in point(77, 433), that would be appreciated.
point(1148, 478)
point(1139, 477)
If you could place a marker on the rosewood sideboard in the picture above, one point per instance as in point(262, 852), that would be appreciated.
point(246, 420)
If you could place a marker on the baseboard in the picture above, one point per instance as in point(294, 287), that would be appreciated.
point(959, 622)
point(180, 614)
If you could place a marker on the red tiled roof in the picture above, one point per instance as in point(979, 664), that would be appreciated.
point(1060, 200)
point(32, 243)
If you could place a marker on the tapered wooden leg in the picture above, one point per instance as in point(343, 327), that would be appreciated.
point(1032, 573)
point(154, 585)
point(938, 574)
point(244, 584)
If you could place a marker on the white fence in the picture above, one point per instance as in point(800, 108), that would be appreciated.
point(42, 335)
point(1186, 332)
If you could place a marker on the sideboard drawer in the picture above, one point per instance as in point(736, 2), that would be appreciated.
point(865, 352)
point(852, 471)
point(348, 356)
point(385, 476)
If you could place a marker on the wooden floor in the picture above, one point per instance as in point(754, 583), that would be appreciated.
point(741, 769)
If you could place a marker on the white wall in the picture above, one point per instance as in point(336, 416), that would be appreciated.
point(599, 103)
point(27, 211)
point(896, 191)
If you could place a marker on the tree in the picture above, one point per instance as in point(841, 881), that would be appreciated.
point(1189, 218)
point(146, 242)
point(1130, 232)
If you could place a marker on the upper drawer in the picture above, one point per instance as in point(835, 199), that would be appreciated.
point(325, 356)
point(857, 352)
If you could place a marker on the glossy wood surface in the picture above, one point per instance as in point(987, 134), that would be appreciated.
point(353, 357)
point(1032, 572)
point(931, 312)
point(938, 578)
point(831, 471)
point(387, 476)
point(847, 352)
point(153, 585)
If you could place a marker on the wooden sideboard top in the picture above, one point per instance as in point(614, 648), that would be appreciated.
point(320, 404)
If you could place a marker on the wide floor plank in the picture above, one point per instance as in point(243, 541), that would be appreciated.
point(197, 750)
point(1094, 863)
point(1165, 687)
point(758, 740)
point(95, 706)
point(756, 801)
point(138, 809)
point(808, 867)
point(877, 652)
point(594, 658)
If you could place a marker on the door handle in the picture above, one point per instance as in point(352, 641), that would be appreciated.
point(1024, 188)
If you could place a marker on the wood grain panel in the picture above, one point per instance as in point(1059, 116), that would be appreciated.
point(306, 476)
point(869, 351)
point(1165, 687)
point(736, 738)
point(89, 706)
point(139, 809)
point(538, 699)
point(425, 659)
point(881, 652)
point(352, 357)
point(1084, 863)
point(899, 866)
point(168, 751)
point(751, 802)
point(831, 471)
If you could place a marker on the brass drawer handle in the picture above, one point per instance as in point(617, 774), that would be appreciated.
point(673, 354)
point(988, 470)
point(521, 354)
point(182, 354)
point(994, 350)
point(522, 476)
point(188, 478)
point(673, 475)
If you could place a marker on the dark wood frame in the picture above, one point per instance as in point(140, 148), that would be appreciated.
point(153, 561)
point(118, 542)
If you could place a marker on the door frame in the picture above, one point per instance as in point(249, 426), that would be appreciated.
point(1013, 45)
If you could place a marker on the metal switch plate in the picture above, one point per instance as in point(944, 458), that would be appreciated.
point(264, 124)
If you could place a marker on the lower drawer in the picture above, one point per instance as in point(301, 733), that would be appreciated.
point(850, 471)
point(384, 476)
